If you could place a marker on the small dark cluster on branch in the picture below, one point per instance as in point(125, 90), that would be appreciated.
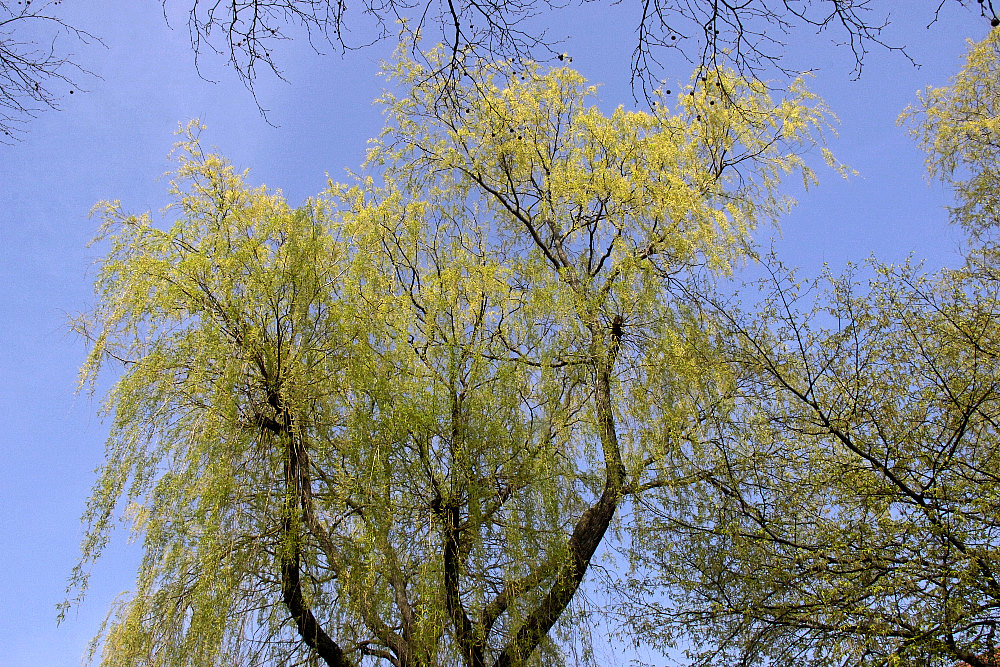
point(987, 10)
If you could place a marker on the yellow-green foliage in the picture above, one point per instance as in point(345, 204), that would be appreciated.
point(845, 509)
point(489, 340)
point(959, 127)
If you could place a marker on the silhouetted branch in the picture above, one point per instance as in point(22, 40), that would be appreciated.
point(34, 71)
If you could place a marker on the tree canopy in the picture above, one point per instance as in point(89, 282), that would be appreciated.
point(846, 510)
point(397, 424)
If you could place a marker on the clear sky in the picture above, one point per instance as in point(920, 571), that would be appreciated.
point(111, 142)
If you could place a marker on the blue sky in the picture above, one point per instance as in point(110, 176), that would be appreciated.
point(111, 142)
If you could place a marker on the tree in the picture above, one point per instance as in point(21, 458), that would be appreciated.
point(30, 62)
point(845, 510)
point(396, 424)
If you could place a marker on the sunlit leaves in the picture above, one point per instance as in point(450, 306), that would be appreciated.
point(412, 408)
point(959, 127)
point(671, 187)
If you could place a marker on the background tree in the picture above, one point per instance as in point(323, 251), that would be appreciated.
point(35, 70)
point(395, 425)
point(845, 511)
point(746, 35)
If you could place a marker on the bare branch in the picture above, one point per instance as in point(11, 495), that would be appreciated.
point(35, 71)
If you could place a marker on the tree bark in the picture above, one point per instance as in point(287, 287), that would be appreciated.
point(589, 530)
point(309, 627)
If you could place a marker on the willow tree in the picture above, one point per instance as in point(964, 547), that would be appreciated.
point(395, 425)
point(847, 511)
